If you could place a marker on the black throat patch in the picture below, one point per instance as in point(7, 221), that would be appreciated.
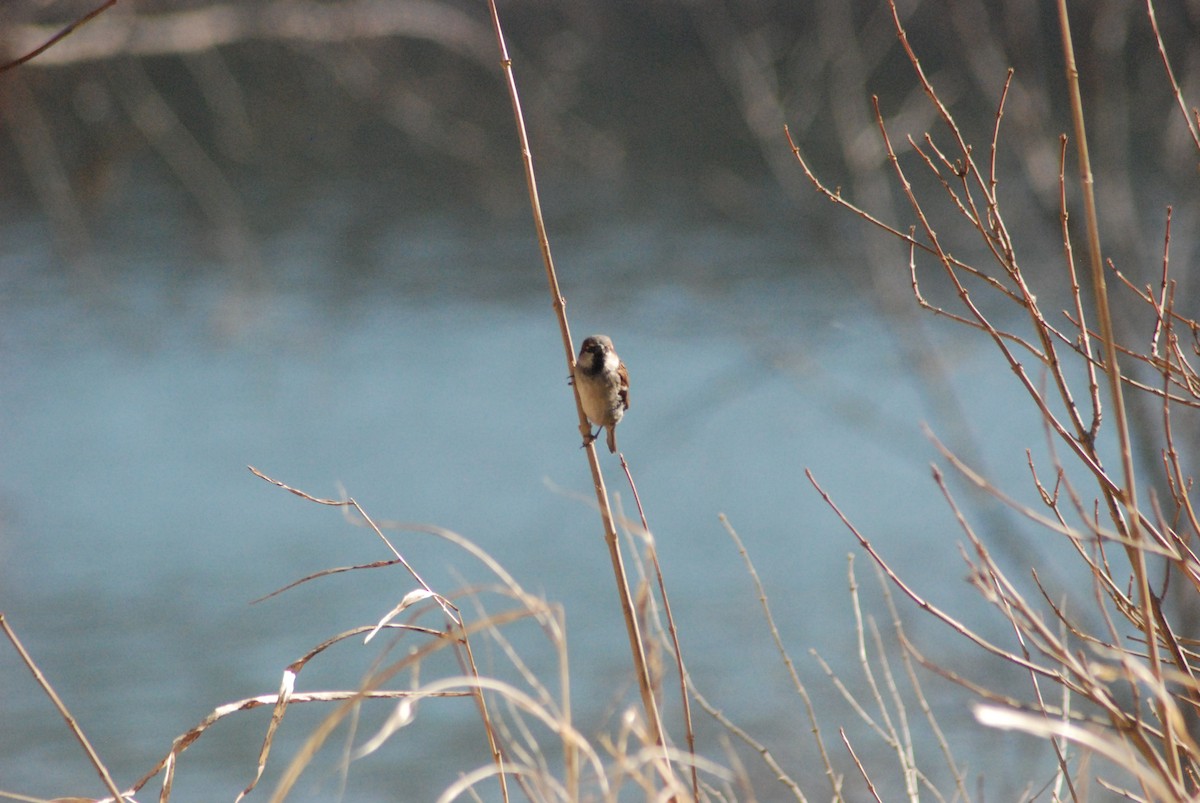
point(596, 365)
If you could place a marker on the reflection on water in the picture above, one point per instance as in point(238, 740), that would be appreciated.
point(134, 538)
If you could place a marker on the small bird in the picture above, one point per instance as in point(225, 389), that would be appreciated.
point(603, 385)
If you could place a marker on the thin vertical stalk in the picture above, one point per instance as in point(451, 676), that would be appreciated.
point(1128, 493)
point(689, 733)
point(636, 644)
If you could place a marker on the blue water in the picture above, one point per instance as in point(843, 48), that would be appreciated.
point(133, 538)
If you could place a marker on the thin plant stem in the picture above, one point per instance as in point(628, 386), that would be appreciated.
point(58, 37)
point(861, 769)
point(92, 755)
point(834, 779)
point(636, 643)
point(1137, 556)
point(1193, 130)
point(760, 748)
point(457, 628)
point(689, 732)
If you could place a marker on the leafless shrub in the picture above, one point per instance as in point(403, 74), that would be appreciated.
point(1125, 677)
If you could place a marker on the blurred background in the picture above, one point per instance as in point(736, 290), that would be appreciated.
point(296, 235)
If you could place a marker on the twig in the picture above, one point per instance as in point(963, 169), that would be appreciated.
point(92, 755)
point(924, 604)
point(768, 759)
point(861, 769)
point(1193, 129)
point(65, 32)
point(906, 655)
point(834, 778)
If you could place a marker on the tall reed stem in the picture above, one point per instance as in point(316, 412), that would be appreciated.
point(636, 644)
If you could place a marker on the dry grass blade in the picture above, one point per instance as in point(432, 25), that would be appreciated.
point(1113, 748)
point(318, 737)
point(532, 707)
point(286, 687)
point(378, 564)
point(457, 633)
point(470, 780)
point(186, 739)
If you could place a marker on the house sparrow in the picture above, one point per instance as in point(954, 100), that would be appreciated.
point(603, 385)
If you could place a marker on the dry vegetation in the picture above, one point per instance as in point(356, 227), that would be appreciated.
point(1112, 689)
